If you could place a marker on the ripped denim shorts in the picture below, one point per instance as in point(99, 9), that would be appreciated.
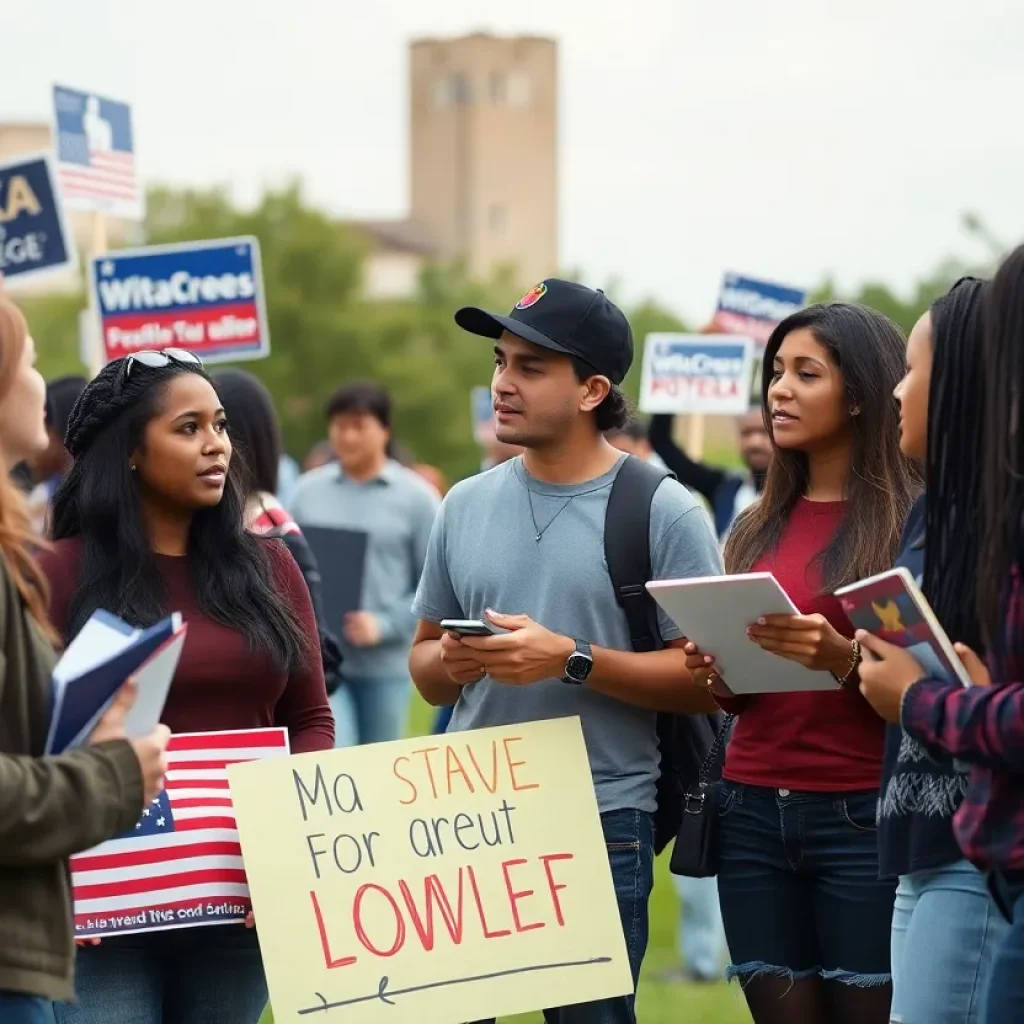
point(799, 887)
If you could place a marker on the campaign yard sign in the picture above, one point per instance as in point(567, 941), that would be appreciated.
point(754, 308)
point(205, 297)
point(95, 148)
point(696, 373)
point(441, 879)
point(34, 237)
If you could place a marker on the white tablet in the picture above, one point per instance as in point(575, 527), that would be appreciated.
point(715, 611)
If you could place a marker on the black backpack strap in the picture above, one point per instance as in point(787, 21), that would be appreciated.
point(627, 547)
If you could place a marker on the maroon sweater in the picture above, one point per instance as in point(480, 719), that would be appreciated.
point(220, 682)
point(829, 741)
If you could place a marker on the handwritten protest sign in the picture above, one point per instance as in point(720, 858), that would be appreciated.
point(441, 879)
point(695, 373)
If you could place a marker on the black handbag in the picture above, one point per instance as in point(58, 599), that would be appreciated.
point(695, 853)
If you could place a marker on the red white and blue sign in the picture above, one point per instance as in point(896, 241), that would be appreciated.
point(95, 149)
point(696, 373)
point(34, 238)
point(206, 297)
point(754, 308)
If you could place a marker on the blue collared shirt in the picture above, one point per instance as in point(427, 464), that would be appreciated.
point(396, 510)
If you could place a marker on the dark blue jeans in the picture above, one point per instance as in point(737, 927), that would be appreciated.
point(16, 1008)
point(1005, 1000)
point(629, 837)
point(207, 975)
point(806, 917)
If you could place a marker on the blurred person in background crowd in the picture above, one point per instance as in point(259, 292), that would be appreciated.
point(437, 481)
point(50, 807)
point(152, 455)
point(256, 436)
point(319, 455)
point(632, 439)
point(288, 474)
point(727, 492)
point(369, 492)
point(945, 928)
point(528, 537)
point(982, 725)
point(806, 915)
point(49, 467)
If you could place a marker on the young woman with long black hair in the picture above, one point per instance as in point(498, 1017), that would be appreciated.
point(983, 725)
point(806, 916)
point(151, 520)
point(50, 807)
point(945, 928)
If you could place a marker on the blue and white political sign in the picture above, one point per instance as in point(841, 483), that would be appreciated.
point(696, 373)
point(206, 297)
point(34, 237)
point(95, 148)
point(754, 308)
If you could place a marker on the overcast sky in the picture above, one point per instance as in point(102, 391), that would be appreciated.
point(787, 140)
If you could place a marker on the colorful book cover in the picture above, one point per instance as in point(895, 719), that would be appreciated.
point(887, 606)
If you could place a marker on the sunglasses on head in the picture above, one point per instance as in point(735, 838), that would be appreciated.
point(158, 360)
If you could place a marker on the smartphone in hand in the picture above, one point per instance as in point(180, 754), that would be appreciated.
point(470, 627)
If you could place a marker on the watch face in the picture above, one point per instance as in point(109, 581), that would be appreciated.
point(578, 667)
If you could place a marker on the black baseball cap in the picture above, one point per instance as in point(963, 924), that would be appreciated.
point(565, 317)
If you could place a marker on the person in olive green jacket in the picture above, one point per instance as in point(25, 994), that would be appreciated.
point(50, 807)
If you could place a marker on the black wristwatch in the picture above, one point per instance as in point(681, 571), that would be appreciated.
point(580, 664)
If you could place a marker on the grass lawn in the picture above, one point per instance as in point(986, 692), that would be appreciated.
point(657, 1003)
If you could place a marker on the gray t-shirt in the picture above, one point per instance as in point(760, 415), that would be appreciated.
point(483, 554)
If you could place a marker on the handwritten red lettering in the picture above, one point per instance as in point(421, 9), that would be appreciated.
point(554, 886)
point(514, 896)
point(401, 778)
point(434, 895)
point(329, 961)
point(488, 934)
point(357, 920)
point(513, 765)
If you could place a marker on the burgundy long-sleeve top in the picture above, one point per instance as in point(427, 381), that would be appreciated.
point(220, 682)
point(821, 741)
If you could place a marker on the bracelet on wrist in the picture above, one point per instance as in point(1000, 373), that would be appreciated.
point(845, 678)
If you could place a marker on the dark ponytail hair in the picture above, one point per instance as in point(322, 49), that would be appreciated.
point(954, 461)
point(99, 502)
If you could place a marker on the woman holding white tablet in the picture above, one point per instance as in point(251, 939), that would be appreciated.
point(806, 916)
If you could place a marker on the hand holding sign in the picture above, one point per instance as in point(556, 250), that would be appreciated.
point(442, 879)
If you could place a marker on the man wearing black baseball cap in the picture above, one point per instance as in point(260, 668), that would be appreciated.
point(528, 537)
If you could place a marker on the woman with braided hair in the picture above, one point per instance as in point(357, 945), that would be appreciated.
point(150, 520)
point(945, 928)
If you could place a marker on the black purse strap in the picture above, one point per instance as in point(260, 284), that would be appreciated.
point(714, 754)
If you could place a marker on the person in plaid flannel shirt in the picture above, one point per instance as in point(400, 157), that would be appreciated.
point(983, 725)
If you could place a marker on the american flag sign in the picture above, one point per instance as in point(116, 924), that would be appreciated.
point(182, 863)
point(95, 149)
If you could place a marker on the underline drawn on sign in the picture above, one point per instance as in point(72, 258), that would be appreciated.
point(386, 995)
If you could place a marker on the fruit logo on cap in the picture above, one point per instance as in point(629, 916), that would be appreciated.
point(533, 296)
